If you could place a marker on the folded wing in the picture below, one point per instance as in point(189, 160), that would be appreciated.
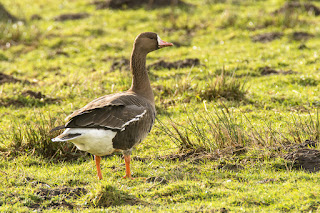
point(113, 117)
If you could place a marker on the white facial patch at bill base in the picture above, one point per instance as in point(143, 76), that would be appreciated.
point(159, 40)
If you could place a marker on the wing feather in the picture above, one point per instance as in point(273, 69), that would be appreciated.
point(113, 112)
point(108, 117)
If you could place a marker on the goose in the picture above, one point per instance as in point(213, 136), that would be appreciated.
point(119, 121)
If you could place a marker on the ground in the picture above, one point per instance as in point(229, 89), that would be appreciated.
point(237, 101)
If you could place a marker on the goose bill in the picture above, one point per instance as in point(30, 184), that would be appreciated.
point(162, 44)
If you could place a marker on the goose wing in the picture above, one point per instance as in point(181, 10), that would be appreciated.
point(113, 117)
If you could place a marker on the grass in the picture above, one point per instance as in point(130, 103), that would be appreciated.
point(222, 130)
point(110, 196)
point(216, 87)
point(34, 138)
point(229, 88)
point(16, 33)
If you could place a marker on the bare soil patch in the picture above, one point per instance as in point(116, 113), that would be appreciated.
point(36, 17)
point(198, 155)
point(302, 156)
point(302, 47)
point(38, 95)
point(266, 37)
point(306, 159)
point(299, 36)
point(6, 16)
point(132, 4)
point(30, 93)
point(71, 16)
point(9, 79)
point(289, 7)
point(270, 71)
point(47, 193)
point(189, 62)
point(121, 64)
point(65, 192)
point(58, 204)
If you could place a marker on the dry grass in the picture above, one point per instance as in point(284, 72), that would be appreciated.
point(220, 128)
point(300, 127)
point(34, 138)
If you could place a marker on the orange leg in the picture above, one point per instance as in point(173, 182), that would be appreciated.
point(127, 162)
point(98, 159)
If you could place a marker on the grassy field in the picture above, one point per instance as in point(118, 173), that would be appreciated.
point(232, 123)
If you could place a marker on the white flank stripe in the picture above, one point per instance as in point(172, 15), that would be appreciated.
point(132, 120)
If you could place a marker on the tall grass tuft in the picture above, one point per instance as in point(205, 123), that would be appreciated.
point(19, 32)
point(223, 86)
point(207, 130)
point(303, 126)
point(108, 195)
point(34, 138)
point(220, 128)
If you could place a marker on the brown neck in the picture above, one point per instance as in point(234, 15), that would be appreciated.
point(140, 79)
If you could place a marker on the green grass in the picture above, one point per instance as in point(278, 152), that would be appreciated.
point(206, 112)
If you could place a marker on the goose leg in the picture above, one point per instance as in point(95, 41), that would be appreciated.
point(98, 159)
point(127, 162)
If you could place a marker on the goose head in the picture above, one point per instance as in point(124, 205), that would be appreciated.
point(149, 41)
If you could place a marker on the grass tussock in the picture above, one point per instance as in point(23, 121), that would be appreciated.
point(222, 86)
point(19, 32)
point(109, 195)
point(221, 128)
point(302, 127)
point(34, 138)
point(207, 131)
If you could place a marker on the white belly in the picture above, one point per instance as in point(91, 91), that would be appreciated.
point(95, 141)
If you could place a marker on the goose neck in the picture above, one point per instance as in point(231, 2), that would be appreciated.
point(140, 79)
